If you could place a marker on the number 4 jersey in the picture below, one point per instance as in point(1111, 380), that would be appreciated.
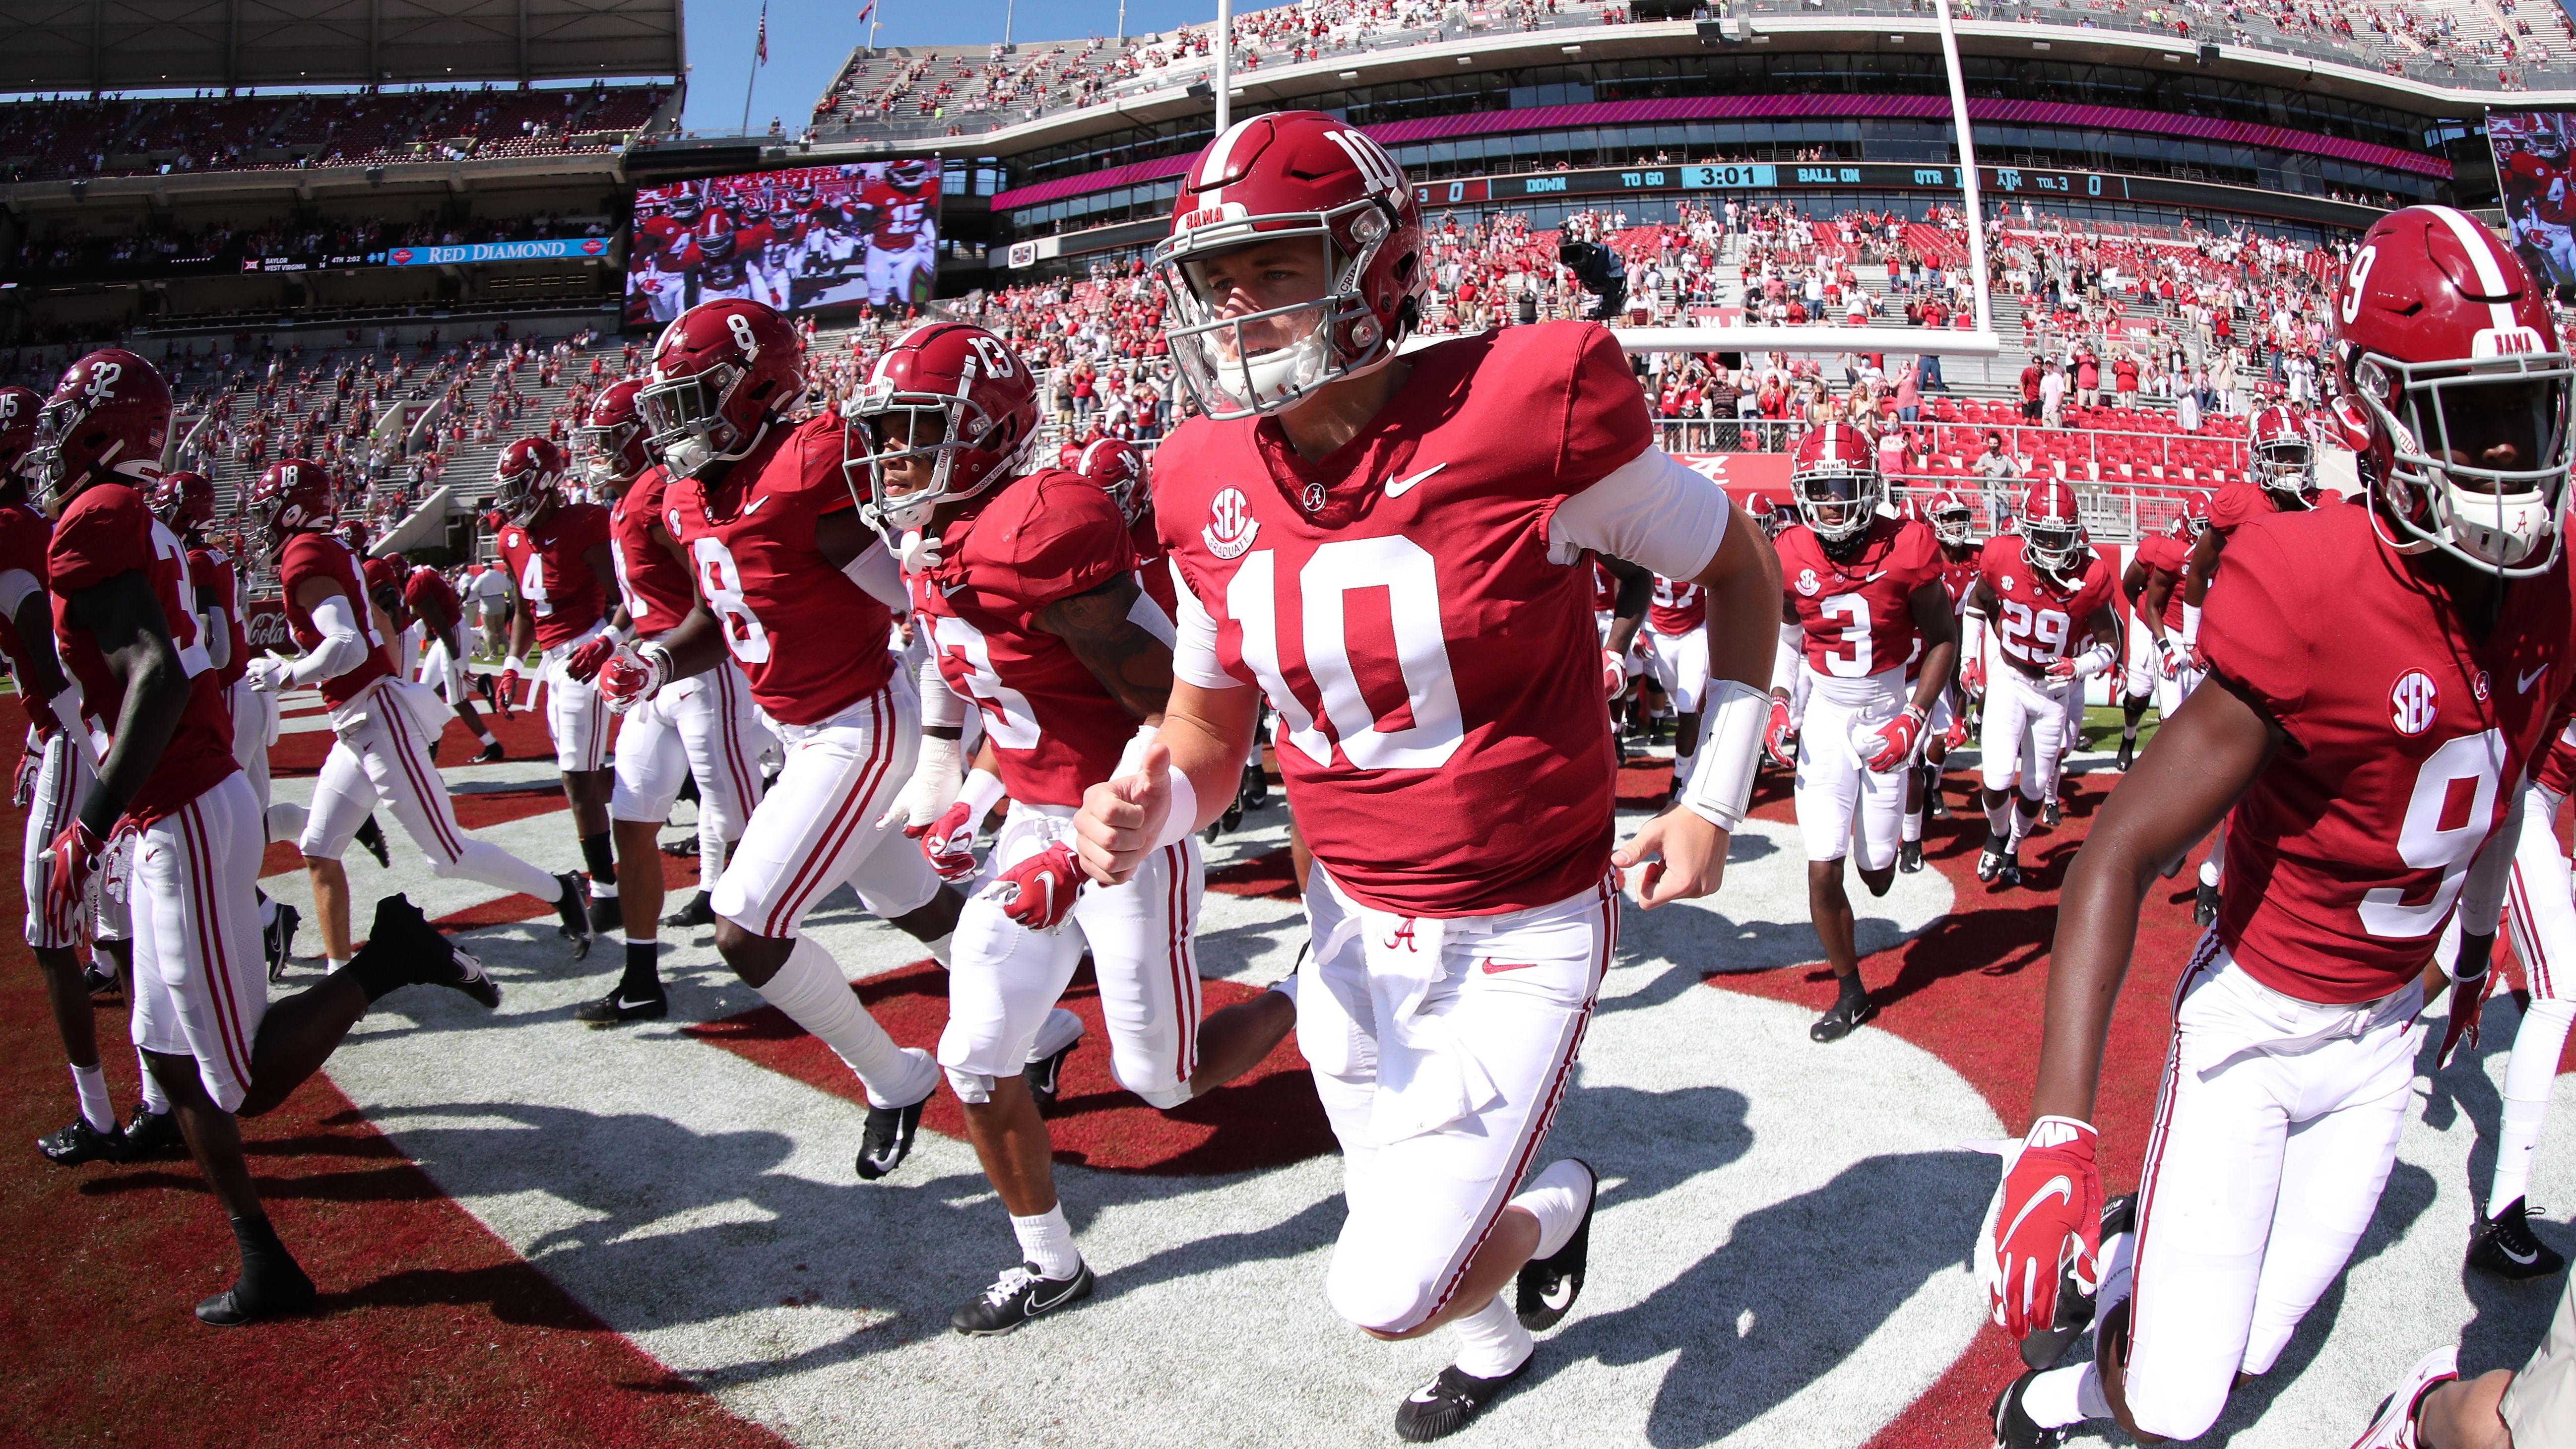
point(1430, 652)
point(2407, 735)
point(1856, 614)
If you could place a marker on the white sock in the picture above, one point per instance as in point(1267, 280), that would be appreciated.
point(89, 1083)
point(939, 949)
point(1046, 1243)
point(1491, 1341)
point(711, 854)
point(816, 996)
point(2119, 1267)
point(1910, 830)
point(599, 892)
point(2528, 1075)
point(155, 1100)
point(485, 736)
point(333, 963)
point(1557, 1198)
point(2209, 870)
point(2059, 1397)
point(1286, 985)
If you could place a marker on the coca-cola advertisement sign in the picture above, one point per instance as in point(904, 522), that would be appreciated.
point(264, 625)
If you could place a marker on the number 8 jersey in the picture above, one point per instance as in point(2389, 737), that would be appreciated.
point(811, 641)
point(2408, 737)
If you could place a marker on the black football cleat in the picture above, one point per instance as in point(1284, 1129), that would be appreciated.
point(700, 911)
point(277, 940)
point(1847, 1014)
point(372, 836)
point(1019, 1295)
point(2504, 1245)
point(425, 955)
point(606, 916)
point(2008, 874)
point(282, 1291)
point(1046, 1075)
point(1990, 862)
point(1934, 806)
point(683, 847)
point(81, 1144)
point(2042, 1347)
point(619, 1007)
point(887, 1139)
point(2050, 816)
point(491, 754)
point(1450, 1403)
point(2128, 753)
point(2204, 905)
point(150, 1133)
point(2014, 1427)
point(100, 984)
point(1909, 856)
point(1547, 1287)
point(573, 913)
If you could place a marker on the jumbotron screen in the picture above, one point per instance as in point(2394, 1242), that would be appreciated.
point(2536, 169)
point(817, 236)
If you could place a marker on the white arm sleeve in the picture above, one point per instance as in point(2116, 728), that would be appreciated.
point(219, 637)
point(875, 571)
point(940, 706)
point(1784, 660)
point(1194, 644)
point(15, 586)
point(341, 649)
point(1652, 511)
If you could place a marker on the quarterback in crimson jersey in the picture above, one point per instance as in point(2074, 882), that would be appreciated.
point(800, 593)
point(1392, 550)
point(2365, 727)
point(123, 621)
point(1861, 596)
point(1027, 601)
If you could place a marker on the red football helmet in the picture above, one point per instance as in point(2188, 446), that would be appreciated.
point(2284, 458)
point(1835, 477)
point(2052, 537)
point(721, 373)
point(908, 173)
point(353, 532)
point(293, 496)
point(18, 409)
point(184, 500)
point(1766, 513)
point(969, 412)
point(609, 444)
point(1119, 470)
point(2447, 343)
point(1953, 522)
point(1295, 177)
point(110, 412)
point(530, 473)
point(2195, 515)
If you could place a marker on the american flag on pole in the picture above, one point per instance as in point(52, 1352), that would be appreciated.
point(760, 53)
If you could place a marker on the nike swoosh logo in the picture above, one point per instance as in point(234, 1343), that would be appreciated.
point(2525, 1259)
point(2528, 680)
point(625, 1005)
point(1497, 968)
point(753, 506)
point(1037, 1307)
point(2057, 1187)
point(1558, 1294)
point(1402, 486)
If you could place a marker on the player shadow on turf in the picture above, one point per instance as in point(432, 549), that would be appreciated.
point(1744, 1337)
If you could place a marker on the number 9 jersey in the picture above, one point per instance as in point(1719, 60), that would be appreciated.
point(1856, 614)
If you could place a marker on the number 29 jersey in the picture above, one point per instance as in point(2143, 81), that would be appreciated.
point(2407, 737)
point(1856, 614)
point(2038, 616)
point(810, 640)
point(1435, 667)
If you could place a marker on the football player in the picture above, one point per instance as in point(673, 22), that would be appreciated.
point(125, 628)
point(2368, 725)
point(901, 259)
point(766, 523)
point(1954, 528)
point(1024, 587)
point(2160, 670)
point(554, 552)
point(2045, 598)
point(1341, 513)
point(380, 752)
point(1860, 592)
point(432, 600)
point(701, 728)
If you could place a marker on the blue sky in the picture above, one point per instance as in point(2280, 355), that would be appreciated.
point(808, 40)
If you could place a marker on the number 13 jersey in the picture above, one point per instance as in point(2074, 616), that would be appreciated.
point(1434, 665)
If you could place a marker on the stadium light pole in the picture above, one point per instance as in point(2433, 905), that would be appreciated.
point(1224, 64)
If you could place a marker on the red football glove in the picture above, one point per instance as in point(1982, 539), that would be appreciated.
point(1614, 673)
point(69, 863)
point(509, 691)
point(628, 679)
point(2047, 1216)
point(584, 662)
point(1972, 675)
point(1893, 745)
point(1781, 739)
point(1038, 892)
point(2176, 658)
point(1956, 736)
point(948, 842)
point(2468, 996)
point(2061, 669)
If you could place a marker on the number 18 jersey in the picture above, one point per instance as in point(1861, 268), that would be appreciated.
point(1856, 614)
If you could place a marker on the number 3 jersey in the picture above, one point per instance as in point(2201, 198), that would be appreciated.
point(1856, 614)
point(1434, 665)
point(558, 587)
point(1056, 730)
point(2407, 736)
point(811, 641)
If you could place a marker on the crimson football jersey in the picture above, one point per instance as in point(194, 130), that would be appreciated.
point(431, 598)
point(381, 575)
point(653, 585)
point(25, 534)
point(1678, 607)
point(562, 594)
point(812, 642)
point(106, 531)
point(2238, 502)
point(1436, 671)
point(211, 570)
point(1856, 615)
point(2556, 772)
point(1056, 729)
point(1153, 571)
point(2039, 619)
point(319, 555)
point(1958, 576)
point(2346, 856)
point(2169, 555)
point(895, 216)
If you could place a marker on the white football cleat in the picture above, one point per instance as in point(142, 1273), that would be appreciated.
point(2394, 1428)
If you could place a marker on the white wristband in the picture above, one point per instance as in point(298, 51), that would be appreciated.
point(2093, 661)
point(981, 792)
point(1972, 637)
point(2191, 626)
point(1721, 784)
point(1185, 811)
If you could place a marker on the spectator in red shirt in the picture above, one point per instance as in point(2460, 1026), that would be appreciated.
point(2030, 391)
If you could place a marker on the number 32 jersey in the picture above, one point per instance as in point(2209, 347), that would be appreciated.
point(2407, 738)
point(1856, 615)
point(1435, 668)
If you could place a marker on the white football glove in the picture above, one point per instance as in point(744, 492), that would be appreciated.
point(936, 775)
point(267, 672)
